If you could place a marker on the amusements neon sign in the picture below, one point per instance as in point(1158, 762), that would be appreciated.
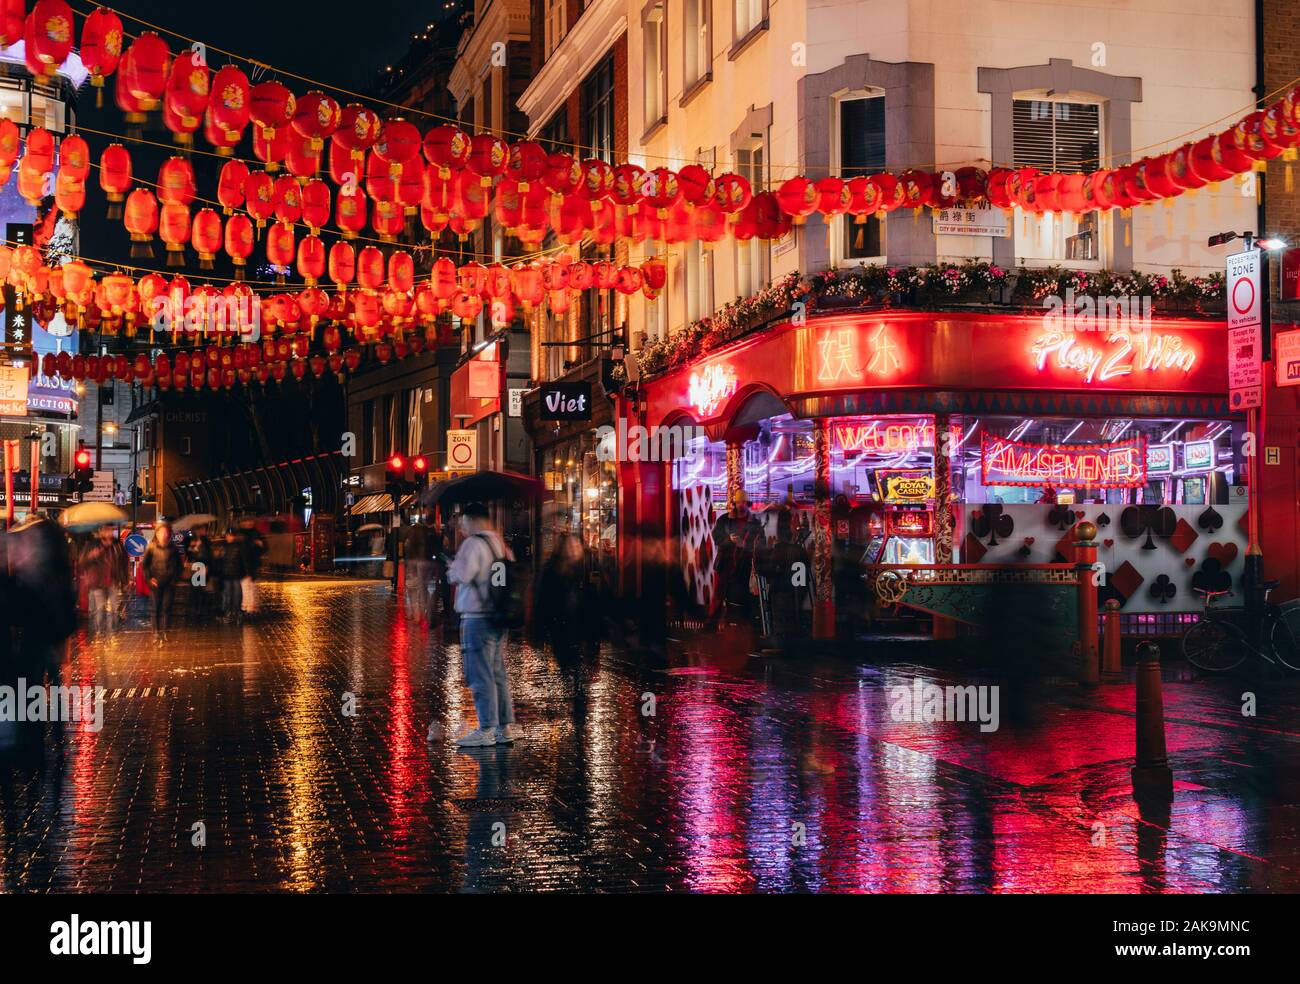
point(1122, 353)
point(1105, 466)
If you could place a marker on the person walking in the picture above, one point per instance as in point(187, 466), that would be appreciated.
point(233, 571)
point(558, 606)
point(415, 552)
point(162, 568)
point(252, 546)
point(481, 637)
point(102, 566)
point(203, 593)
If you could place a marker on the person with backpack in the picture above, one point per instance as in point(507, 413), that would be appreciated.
point(486, 602)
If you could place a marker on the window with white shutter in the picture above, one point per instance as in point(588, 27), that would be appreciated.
point(1057, 136)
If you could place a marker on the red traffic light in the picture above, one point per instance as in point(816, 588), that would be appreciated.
point(420, 464)
point(83, 458)
point(396, 463)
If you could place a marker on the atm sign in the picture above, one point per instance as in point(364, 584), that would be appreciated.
point(1286, 356)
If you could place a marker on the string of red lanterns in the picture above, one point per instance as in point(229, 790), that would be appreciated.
point(453, 180)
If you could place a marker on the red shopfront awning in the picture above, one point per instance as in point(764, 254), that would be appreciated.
point(926, 362)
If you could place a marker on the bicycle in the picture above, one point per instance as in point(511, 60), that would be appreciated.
point(1218, 643)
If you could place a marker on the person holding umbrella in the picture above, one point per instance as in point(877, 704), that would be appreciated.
point(162, 568)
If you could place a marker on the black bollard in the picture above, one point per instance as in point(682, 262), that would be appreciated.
point(1153, 782)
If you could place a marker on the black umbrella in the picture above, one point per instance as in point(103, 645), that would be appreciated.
point(484, 486)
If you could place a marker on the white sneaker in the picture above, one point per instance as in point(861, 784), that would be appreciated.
point(506, 735)
point(477, 738)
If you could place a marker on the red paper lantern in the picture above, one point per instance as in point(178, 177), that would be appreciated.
point(69, 194)
point(342, 264)
point(466, 306)
point(696, 184)
point(628, 179)
point(299, 158)
point(311, 259)
point(732, 193)
point(798, 198)
point(13, 21)
point(444, 279)
point(920, 189)
point(387, 220)
point(188, 89)
point(239, 239)
point(660, 189)
point(598, 180)
point(833, 196)
point(316, 117)
point(259, 196)
point(488, 157)
point(205, 234)
point(350, 213)
point(401, 271)
point(280, 244)
point(287, 195)
point(370, 268)
point(176, 181)
point(527, 162)
point(101, 44)
point(48, 37)
point(398, 142)
point(315, 204)
point(142, 72)
point(228, 106)
point(230, 184)
point(141, 220)
point(447, 148)
point(271, 106)
point(74, 158)
point(1206, 161)
point(174, 229)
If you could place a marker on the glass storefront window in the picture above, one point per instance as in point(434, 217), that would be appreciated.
point(585, 496)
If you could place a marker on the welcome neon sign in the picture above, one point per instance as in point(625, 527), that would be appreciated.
point(1106, 466)
point(885, 437)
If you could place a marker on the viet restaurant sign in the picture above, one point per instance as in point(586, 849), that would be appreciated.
point(1110, 466)
point(565, 401)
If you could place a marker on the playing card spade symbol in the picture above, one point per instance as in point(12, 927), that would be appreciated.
point(1151, 520)
point(990, 521)
point(1103, 520)
point(1210, 520)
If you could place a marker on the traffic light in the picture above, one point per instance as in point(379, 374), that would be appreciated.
point(83, 475)
point(420, 465)
point(397, 482)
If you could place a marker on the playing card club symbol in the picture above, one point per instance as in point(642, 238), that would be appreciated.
point(1103, 520)
point(1212, 577)
point(1151, 520)
point(1024, 550)
point(990, 521)
point(1210, 520)
point(1062, 517)
point(1162, 589)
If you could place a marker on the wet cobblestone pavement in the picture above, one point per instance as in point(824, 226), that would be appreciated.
point(777, 774)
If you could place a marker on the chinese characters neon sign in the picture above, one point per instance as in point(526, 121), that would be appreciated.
point(1106, 466)
point(1122, 353)
point(839, 360)
point(710, 388)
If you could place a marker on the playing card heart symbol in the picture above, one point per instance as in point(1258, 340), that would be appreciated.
point(1189, 561)
point(1029, 541)
point(1109, 543)
point(1224, 553)
point(1079, 513)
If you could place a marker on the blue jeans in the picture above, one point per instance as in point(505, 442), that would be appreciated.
point(482, 656)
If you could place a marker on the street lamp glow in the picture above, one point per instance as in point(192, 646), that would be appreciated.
point(1271, 243)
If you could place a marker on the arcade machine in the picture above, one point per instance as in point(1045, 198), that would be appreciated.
point(900, 527)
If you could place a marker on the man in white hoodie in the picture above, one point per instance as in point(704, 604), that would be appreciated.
point(481, 640)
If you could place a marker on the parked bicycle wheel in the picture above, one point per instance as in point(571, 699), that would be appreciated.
point(1215, 646)
point(1284, 644)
